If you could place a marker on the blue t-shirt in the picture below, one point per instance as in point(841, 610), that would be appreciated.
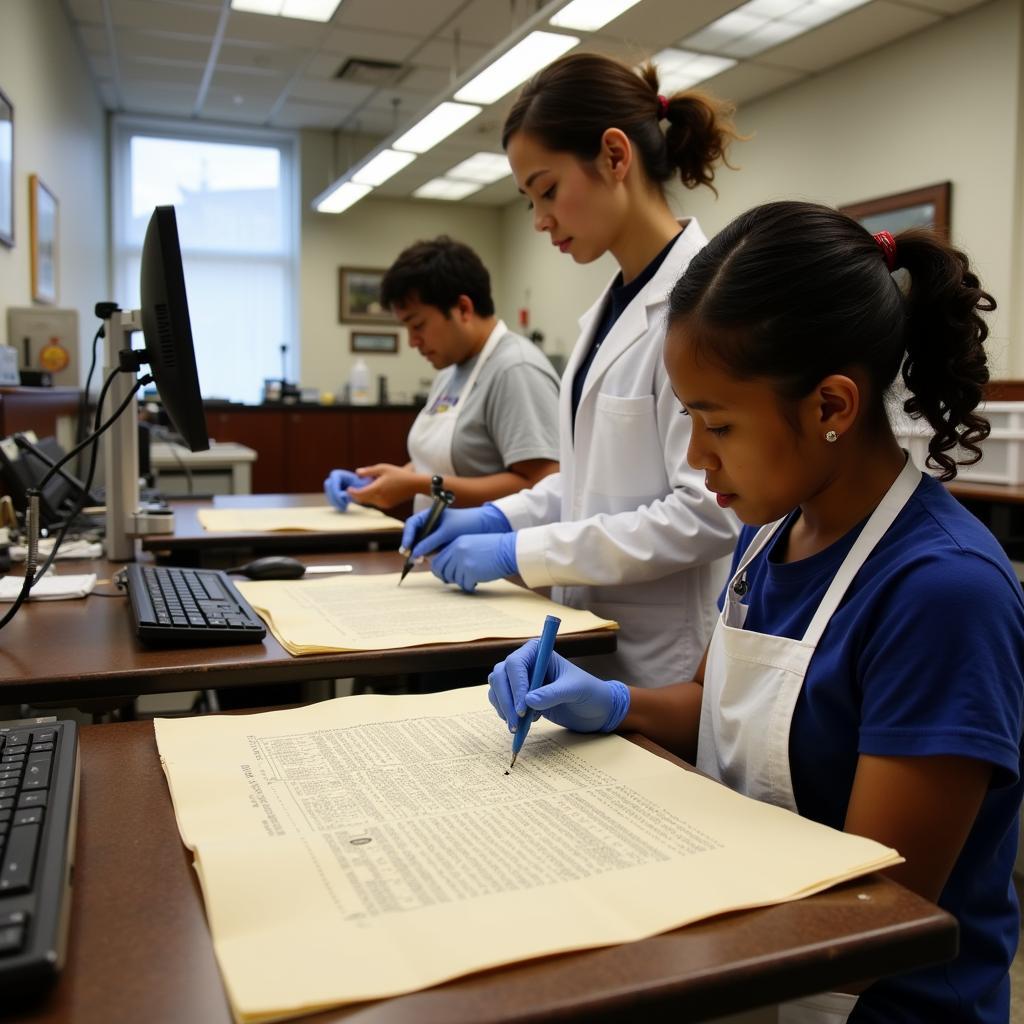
point(924, 656)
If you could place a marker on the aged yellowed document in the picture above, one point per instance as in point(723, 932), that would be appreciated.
point(374, 613)
point(314, 518)
point(373, 845)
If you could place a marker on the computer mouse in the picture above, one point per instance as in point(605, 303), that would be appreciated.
point(273, 567)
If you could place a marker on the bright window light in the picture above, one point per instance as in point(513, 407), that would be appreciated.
point(590, 15)
point(485, 168)
point(383, 166)
point(307, 10)
point(681, 69)
point(761, 24)
point(437, 125)
point(447, 188)
point(515, 66)
point(343, 197)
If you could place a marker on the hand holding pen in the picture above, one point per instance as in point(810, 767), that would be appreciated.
point(540, 668)
point(442, 499)
point(565, 693)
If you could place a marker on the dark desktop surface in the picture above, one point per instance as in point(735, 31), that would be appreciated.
point(213, 404)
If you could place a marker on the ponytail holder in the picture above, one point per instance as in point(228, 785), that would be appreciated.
point(888, 246)
point(662, 107)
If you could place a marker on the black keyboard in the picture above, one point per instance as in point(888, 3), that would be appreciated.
point(190, 607)
point(38, 812)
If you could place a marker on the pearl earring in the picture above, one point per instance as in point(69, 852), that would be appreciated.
point(831, 436)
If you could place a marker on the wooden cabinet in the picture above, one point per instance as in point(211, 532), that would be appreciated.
point(299, 445)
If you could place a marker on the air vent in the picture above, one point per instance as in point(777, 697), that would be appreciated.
point(362, 71)
point(163, 329)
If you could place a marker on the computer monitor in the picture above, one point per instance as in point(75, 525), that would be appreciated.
point(167, 330)
point(164, 322)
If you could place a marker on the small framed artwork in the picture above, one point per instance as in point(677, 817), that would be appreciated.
point(374, 341)
point(359, 294)
point(6, 171)
point(926, 207)
point(42, 231)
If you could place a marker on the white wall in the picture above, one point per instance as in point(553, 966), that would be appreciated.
point(944, 104)
point(372, 234)
point(60, 133)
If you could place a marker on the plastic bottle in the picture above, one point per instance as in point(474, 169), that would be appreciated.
point(359, 383)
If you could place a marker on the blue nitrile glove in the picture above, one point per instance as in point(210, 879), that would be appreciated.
point(455, 522)
point(568, 696)
point(338, 482)
point(476, 559)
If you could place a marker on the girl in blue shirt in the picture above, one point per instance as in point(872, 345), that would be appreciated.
point(866, 668)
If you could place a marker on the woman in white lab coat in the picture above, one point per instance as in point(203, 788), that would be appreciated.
point(626, 528)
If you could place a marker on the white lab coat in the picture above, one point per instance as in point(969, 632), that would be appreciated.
point(626, 528)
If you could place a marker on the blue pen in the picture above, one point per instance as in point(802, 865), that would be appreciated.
point(540, 668)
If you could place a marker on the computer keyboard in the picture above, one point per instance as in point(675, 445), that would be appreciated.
point(38, 813)
point(189, 607)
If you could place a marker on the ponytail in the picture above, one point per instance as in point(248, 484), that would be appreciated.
point(793, 292)
point(571, 104)
point(945, 368)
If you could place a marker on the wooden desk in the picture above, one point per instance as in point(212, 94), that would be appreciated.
point(139, 948)
point(67, 650)
point(190, 544)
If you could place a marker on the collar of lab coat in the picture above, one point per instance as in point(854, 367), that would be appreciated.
point(634, 322)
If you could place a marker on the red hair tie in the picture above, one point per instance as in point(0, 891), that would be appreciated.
point(888, 246)
point(662, 107)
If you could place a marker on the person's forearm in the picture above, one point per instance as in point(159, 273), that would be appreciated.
point(471, 491)
point(669, 715)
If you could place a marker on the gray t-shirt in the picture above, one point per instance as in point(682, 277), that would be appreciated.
point(511, 414)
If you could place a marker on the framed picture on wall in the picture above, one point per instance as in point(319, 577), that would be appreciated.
point(359, 296)
point(377, 342)
point(42, 230)
point(926, 207)
point(6, 171)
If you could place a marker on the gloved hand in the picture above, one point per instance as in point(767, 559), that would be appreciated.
point(475, 559)
point(454, 522)
point(336, 484)
point(568, 696)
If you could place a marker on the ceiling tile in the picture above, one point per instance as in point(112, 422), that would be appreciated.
point(748, 80)
point(949, 6)
point(159, 45)
point(442, 53)
point(863, 29)
point(161, 98)
point(339, 94)
point(188, 19)
point(149, 73)
point(243, 27)
point(342, 42)
point(485, 22)
point(93, 39)
point(655, 24)
point(421, 18)
point(237, 83)
point(263, 59)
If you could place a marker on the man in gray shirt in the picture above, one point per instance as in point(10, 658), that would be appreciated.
point(490, 425)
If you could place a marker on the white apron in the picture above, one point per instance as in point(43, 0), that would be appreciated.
point(430, 439)
point(751, 685)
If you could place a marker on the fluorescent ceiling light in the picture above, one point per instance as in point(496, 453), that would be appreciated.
point(516, 65)
point(682, 69)
point(383, 166)
point(482, 167)
point(437, 125)
point(590, 15)
point(761, 24)
point(307, 10)
point(447, 188)
point(343, 197)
